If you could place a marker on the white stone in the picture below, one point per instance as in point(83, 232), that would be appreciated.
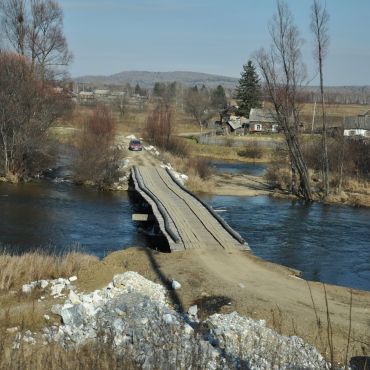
point(72, 278)
point(12, 330)
point(176, 285)
point(89, 308)
point(28, 288)
point(169, 319)
point(241, 285)
point(57, 289)
point(43, 284)
point(47, 317)
point(73, 297)
point(188, 329)
point(193, 310)
point(119, 281)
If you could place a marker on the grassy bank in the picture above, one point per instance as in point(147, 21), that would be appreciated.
point(228, 153)
point(203, 276)
point(17, 270)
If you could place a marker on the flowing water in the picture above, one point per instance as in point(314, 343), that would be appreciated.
point(327, 243)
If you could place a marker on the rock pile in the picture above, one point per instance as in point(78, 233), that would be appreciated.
point(133, 315)
point(56, 286)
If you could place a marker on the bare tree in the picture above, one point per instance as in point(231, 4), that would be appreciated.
point(46, 42)
point(284, 73)
point(319, 28)
point(28, 108)
point(159, 130)
point(35, 28)
point(14, 23)
point(97, 158)
point(198, 105)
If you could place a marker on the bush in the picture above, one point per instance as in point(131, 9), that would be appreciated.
point(158, 131)
point(279, 177)
point(254, 152)
point(97, 159)
point(201, 166)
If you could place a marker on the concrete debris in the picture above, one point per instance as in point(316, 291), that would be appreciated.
point(193, 310)
point(55, 286)
point(12, 330)
point(252, 345)
point(176, 285)
point(134, 316)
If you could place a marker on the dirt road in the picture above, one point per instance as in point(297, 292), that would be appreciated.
point(220, 281)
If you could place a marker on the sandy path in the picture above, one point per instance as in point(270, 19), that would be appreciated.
point(253, 287)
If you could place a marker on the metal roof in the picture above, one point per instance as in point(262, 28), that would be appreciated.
point(359, 122)
point(261, 115)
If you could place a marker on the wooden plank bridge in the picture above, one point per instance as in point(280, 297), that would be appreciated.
point(186, 221)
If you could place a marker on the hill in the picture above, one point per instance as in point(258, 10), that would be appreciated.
point(148, 79)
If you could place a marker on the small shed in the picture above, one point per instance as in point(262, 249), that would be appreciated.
point(262, 120)
point(358, 125)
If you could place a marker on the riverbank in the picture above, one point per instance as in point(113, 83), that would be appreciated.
point(222, 282)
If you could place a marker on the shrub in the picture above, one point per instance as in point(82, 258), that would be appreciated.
point(97, 158)
point(158, 131)
point(201, 166)
point(254, 152)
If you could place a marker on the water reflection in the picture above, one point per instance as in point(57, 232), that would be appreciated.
point(327, 243)
point(57, 216)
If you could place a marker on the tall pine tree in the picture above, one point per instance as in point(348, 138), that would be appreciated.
point(248, 93)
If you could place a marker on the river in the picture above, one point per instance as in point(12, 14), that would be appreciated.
point(327, 243)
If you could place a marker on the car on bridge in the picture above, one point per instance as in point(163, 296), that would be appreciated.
point(135, 145)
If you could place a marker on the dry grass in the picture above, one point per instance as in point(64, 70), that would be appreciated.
point(54, 357)
point(18, 270)
point(227, 153)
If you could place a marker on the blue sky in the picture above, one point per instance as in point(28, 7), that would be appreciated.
point(212, 36)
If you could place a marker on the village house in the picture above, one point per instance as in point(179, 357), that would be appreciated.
point(262, 120)
point(357, 126)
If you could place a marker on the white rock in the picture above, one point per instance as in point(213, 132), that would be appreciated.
point(47, 317)
point(188, 329)
point(12, 330)
point(241, 285)
point(73, 297)
point(43, 284)
point(119, 281)
point(57, 289)
point(57, 308)
point(193, 310)
point(169, 319)
point(72, 278)
point(28, 288)
point(176, 285)
point(89, 308)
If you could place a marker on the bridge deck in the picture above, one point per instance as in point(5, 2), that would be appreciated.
point(183, 219)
